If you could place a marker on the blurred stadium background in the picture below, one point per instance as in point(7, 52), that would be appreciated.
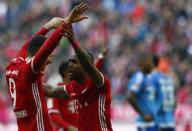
point(127, 27)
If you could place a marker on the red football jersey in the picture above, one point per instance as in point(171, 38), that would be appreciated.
point(27, 96)
point(94, 105)
point(64, 108)
point(25, 84)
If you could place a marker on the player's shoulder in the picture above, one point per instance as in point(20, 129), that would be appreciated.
point(15, 62)
point(105, 85)
point(106, 80)
point(157, 74)
point(137, 76)
point(105, 77)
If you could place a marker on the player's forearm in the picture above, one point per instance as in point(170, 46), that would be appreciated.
point(48, 46)
point(87, 65)
point(84, 59)
point(42, 31)
point(58, 120)
point(56, 92)
point(133, 101)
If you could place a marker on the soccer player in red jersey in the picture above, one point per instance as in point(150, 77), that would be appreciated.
point(90, 87)
point(23, 74)
point(62, 111)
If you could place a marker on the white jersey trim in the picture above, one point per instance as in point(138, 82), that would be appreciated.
point(32, 66)
point(39, 115)
point(145, 124)
point(101, 109)
point(18, 58)
point(30, 60)
point(164, 125)
point(64, 87)
point(50, 111)
point(103, 81)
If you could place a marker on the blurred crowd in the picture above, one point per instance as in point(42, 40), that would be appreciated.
point(126, 27)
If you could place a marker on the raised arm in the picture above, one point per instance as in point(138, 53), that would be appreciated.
point(100, 60)
point(53, 23)
point(46, 49)
point(84, 59)
point(51, 43)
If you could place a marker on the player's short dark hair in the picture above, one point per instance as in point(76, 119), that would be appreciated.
point(142, 57)
point(35, 43)
point(155, 59)
point(63, 68)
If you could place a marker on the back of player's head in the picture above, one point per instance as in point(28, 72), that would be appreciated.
point(63, 68)
point(143, 58)
point(35, 44)
point(155, 59)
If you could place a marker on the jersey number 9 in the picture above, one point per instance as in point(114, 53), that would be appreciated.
point(12, 90)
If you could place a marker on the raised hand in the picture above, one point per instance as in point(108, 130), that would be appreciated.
point(76, 14)
point(54, 23)
point(104, 50)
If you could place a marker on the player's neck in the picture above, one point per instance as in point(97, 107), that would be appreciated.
point(66, 81)
point(82, 79)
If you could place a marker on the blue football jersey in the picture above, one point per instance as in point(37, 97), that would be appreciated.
point(146, 93)
point(166, 113)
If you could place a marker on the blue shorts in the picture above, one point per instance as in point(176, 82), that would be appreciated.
point(167, 129)
point(154, 128)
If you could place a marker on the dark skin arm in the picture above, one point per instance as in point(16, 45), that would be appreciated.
point(56, 92)
point(85, 59)
point(133, 101)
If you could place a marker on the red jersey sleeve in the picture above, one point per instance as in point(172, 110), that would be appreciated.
point(52, 105)
point(23, 51)
point(54, 113)
point(46, 49)
point(99, 63)
point(106, 88)
point(58, 120)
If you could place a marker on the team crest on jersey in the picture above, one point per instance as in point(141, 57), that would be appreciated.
point(21, 114)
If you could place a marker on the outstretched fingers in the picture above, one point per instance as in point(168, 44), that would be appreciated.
point(83, 8)
point(80, 18)
point(80, 8)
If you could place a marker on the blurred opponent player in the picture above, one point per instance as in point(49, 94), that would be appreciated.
point(165, 114)
point(143, 95)
point(24, 74)
point(90, 87)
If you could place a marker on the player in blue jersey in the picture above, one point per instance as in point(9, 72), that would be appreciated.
point(165, 114)
point(143, 94)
